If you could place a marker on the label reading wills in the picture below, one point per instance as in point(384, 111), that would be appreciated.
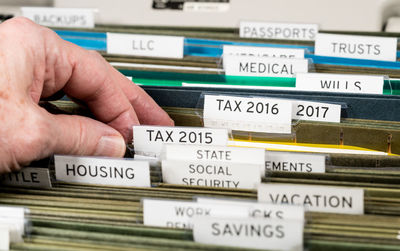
point(294, 162)
point(28, 177)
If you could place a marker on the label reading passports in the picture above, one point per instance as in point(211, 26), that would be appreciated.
point(294, 162)
point(102, 171)
point(28, 177)
point(314, 111)
point(248, 114)
point(328, 199)
point(262, 51)
point(145, 45)
point(361, 47)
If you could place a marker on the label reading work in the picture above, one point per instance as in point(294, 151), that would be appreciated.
point(102, 171)
point(361, 47)
point(262, 51)
point(28, 177)
point(315, 111)
point(248, 114)
point(315, 198)
point(60, 17)
point(294, 162)
point(266, 30)
point(346, 83)
point(145, 45)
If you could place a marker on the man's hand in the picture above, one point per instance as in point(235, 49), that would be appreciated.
point(35, 63)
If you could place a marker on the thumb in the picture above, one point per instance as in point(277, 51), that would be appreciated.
point(78, 135)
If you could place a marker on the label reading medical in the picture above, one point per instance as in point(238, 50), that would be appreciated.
point(145, 45)
point(315, 198)
point(268, 30)
point(148, 140)
point(248, 114)
point(262, 51)
point(314, 111)
point(60, 17)
point(346, 83)
point(28, 177)
point(211, 174)
point(361, 47)
point(102, 171)
point(294, 162)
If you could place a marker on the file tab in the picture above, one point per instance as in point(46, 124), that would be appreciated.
point(262, 51)
point(28, 177)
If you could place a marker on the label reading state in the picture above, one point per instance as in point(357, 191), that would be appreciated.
point(249, 66)
point(149, 140)
point(60, 17)
point(260, 51)
point(294, 162)
point(321, 82)
point(315, 198)
point(265, 30)
point(102, 171)
point(248, 114)
point(211, 174)
point(314, 111)
point(145, 45)
point(362, 47)
point(249, 233)
point(28, 177)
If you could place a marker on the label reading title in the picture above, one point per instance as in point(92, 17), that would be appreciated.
point(28, 177)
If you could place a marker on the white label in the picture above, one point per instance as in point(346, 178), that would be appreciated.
point(60, 17)
point(294, 162)
point(145, 45)
point(314, 111)
point(28, 177)
point(248, 114)
point(4, 238)
point(148, 140)
point(362, 47)
point(205, 7)
point(262, 51)
point(102, 171)
point(315, 198)
point(266, 30)
point(249, 233)
point(13, 218)
point(211, 174)
point(323, 82)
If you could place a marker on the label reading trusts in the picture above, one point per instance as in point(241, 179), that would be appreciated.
point(60, 17)
point(294, 162)
point(248, 114)
point(263, 66)
point(211, 174)
point(314, 111)
point(315, 198)
point(102, 171)
point(145, 45)
point(261, 51)
point(28, 177)
point(249, 233)
point(361, 47)
point(148, 140)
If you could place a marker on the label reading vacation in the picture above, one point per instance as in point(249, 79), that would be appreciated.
point(314, 111)
point(323, 82)
point(266, 30)
point(315, 198)
point(102, 171)
point(60, 17)
point(261, 51)
point(294, 162)
point(362, 47)
point(28, 177)
point(145, 45)
point(248, 114)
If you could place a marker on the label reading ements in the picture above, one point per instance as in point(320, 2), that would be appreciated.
point(4, 238)
point(294, 162)
point(145, 45)
point(315, 198)
point(102, 171)
point(262, 51)
point(249, 233)
point(28, 177)
point(263, 66)
point(13, 218)
point(148, 140)
point(278, 30)
point(211, 174)
point(314, 111)
point(362, 47)
point(248, 114)
point(60, 17)
point(323, 82)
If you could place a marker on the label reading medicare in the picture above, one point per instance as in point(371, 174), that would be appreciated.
point(314, 111)
point(211, 174)
point(102, 171)
point(13, 218)
point(145, 45)
point(249, 233)
point(149, 140)
point(261, 51)
point(359, 84)
point(28, 177)
point(315, 198)
point(60, 17)
point(362, 47)
point(294, 162)
point(248, 114)
point(266, 30)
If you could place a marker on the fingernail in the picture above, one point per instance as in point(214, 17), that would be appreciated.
point(112, 146)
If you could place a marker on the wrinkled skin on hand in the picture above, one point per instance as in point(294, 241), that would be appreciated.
point(35, 63)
